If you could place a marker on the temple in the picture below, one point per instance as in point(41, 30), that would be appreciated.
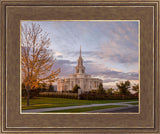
point(83, 80)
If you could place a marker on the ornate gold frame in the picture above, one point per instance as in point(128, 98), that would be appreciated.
point(147, 12)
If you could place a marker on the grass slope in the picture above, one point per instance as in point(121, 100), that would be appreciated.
point(46, 102)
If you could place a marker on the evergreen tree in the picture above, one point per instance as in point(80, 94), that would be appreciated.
point(101, 89)
point(75, 88)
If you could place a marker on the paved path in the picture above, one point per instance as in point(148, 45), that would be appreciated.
point(129, 109)
point(74, 107)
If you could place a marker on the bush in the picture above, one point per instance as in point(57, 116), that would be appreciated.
point(92, 96)
point(59, 95)
point(96, 96)
point(33, 93)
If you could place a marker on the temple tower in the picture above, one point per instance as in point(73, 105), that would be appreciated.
point(80, 69)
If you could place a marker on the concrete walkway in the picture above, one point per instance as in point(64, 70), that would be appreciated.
point(74, 107)
point(129, 109)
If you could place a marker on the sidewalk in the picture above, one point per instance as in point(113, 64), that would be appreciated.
point(129, 109)
point(74, 107)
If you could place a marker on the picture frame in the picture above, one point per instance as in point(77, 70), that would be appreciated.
point(146, 121)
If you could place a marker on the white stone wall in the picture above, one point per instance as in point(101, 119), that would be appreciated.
point(86, 84)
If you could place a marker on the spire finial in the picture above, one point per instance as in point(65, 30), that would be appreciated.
point(80, 50)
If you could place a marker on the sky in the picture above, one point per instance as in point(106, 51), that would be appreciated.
point(109, 48)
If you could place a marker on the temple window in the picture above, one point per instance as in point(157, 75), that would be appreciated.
point(82, 70)
point(77, 70)
point(95, 84)
point(72, 84)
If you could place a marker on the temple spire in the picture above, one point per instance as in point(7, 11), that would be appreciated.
point(80, 50)
point(80, 69)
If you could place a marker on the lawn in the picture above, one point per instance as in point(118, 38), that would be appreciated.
point(84, 109)
point(46, 102)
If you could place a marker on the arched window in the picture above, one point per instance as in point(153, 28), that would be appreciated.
point(82, 70)
point(95, 84)
point(77, 70)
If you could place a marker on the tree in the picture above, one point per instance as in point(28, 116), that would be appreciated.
point(110, 91)
point(101, 89)
point(136, 88)
point(116, 92)
point(51, 88)
point(36, 58)
point(24, 93)
point(123, 87)
point(75, 88)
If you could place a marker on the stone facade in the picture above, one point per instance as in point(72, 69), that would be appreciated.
point(83, 80)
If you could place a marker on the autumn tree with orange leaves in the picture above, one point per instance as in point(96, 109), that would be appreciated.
point(36, 58)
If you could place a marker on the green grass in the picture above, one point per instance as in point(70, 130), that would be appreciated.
point(136, 103)
point(84, 109)
point(46, 102)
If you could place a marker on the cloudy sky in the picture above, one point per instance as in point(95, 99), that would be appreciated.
point(109, 48)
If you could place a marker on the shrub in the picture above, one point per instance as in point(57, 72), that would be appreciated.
point(59, 95)
point(34, 93)
point(96, 96)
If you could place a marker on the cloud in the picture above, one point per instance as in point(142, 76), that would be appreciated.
point(67, 66)
point(114, 52)
point(109, 74)
point(59, 56)
point(121, 75)
point(85, 54)
point(114, 42)
point(122, 44)
point(111, 84)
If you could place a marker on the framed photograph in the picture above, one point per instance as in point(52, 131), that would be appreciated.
point(80, 66)
point(91, 78)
